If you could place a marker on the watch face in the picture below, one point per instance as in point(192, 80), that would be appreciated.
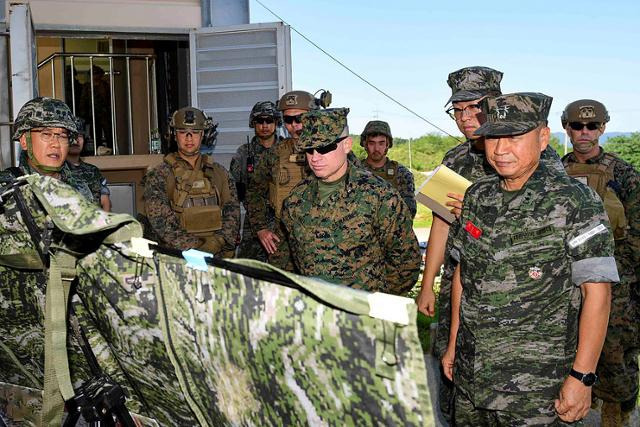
point(589, 379)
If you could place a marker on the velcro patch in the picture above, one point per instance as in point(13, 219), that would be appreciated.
point(527, 235)
point(577, 241)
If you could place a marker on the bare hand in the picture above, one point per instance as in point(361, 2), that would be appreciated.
point(574, 400)
point(456, 204)
point(447, 361)
point(426, 300)
point(269, 240)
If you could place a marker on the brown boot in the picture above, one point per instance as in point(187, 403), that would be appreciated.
point(611, 414)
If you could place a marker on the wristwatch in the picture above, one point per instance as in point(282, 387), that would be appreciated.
point(587, 379)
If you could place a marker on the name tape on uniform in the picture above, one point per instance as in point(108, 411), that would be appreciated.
point(577, 241)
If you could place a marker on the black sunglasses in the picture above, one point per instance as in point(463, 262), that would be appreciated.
point(290, 119)
point(322, 150)
point(264, 120)
point(579, 126)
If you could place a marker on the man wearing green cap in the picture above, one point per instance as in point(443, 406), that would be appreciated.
point(535, 254)
point(45, 127)
point(376, 139)
point(345, 225)
point(618, 185)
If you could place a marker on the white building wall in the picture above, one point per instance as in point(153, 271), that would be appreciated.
point(128, 15)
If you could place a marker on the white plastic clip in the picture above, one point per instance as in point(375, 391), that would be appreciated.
point(140, 246)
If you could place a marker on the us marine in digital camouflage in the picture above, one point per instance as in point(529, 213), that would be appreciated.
point(376, 139)
point(265, 119)
point(535, 260)
point(281, 169)
point(86, 172)
point(618, 185)
point(190, 200)
point(344, 224)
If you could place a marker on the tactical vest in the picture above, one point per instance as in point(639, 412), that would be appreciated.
point(197, 195)
point(599, 177)
point(389, 173)
point(288, 171)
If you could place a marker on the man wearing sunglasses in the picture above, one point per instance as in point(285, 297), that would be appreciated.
point(618, 185)
point(376, 139)
point(344, 224)
point(280, 169)
point(190, 200)
point(264, 119)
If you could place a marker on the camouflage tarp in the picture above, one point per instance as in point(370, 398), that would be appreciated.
point(218, 347)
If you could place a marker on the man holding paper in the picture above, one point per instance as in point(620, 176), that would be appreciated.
point(535, 260)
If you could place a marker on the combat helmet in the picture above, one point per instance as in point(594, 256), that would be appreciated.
point(584, 110)
point(302, 100)
point(43, 112)
point(264, 109)
point(195, 119)
point(375, 127)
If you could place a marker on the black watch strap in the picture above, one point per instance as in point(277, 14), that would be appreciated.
point(587, 379)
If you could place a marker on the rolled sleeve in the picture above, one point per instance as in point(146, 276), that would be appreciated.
point(594, 270)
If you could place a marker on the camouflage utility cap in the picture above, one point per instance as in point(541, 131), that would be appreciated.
point(514, 114)
point(376, 127)
point(323, 127)
point(190, 118)
point(80, 125)
point(472, 83)
point(264, 109)
point(585, 110)
point(43, 112)
point(297, 99)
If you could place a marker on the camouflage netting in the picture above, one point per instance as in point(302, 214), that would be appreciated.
point(217, 347)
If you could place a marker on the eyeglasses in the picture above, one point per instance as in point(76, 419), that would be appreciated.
point(187, 132)
point(47, 136)
point(580, 126)
point(264, 120)
point(471, 109)
point(290, 119)
point(322, 150)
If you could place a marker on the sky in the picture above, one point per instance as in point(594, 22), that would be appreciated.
point(565, 48)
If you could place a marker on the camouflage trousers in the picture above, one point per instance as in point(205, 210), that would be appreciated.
point(282, 257)
point(618, 365)
point(250, 246)
point(466, 414)
point(446, 389)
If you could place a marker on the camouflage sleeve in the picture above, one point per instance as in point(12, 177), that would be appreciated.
point(589, 241)
point(630, 196)
point(163, 220)
point(235, 167)
point(407, 189)
point(402, 253)
point(257, 198)
point(230, 217)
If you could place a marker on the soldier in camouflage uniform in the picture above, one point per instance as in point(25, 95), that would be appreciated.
point(344, 224)
point(376, 139)
point(86, 172)
point(279, 171)
point(190, 200)
point(531, 293)
point(265, 119)
point(45, 127)
point(618, 185)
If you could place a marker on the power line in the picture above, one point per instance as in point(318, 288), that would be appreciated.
point(383, 93)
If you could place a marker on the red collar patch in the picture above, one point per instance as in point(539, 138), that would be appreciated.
point(473, 230)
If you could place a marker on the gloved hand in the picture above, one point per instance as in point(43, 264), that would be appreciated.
point(213, 245)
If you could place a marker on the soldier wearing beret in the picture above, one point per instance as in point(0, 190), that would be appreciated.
point(376, 139)
point(344, 224)
point(618, 185)
point(531, 292)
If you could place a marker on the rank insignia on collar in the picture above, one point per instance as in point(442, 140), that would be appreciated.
point(535, 273)
point(473, 230)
